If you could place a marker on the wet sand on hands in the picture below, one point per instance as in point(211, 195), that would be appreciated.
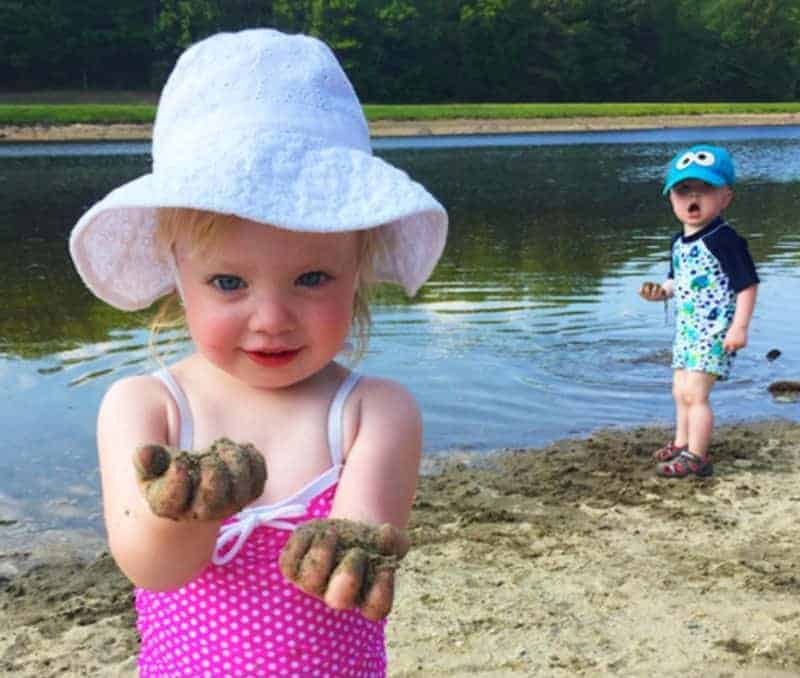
point(572, 560)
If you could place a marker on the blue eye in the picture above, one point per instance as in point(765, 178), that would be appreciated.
point(227, 283)
point(312, 279)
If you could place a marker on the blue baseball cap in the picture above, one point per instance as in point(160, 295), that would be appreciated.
point(711, 164)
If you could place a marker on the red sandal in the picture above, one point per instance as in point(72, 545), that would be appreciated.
point(686, 464)
point(669, 452)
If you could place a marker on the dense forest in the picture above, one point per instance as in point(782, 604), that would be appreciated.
point(433, 50)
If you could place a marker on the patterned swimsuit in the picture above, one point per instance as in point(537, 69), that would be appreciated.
point(240, 617)
point(709, 269)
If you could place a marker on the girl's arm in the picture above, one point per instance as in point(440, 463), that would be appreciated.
point(736, 337)
point(380, 474)
point(154, 553)
point(349, 560)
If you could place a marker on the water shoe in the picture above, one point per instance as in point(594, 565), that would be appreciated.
point(685, 464)
point(669, 452)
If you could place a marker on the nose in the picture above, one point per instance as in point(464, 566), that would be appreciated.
point(272, 314)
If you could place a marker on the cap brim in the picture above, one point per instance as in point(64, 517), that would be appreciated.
point(693, 172)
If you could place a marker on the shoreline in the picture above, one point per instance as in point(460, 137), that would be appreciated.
point(388, 128)
point(567, 560)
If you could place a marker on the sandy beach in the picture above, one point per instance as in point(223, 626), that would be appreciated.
point(571, 560)
point(10, 133)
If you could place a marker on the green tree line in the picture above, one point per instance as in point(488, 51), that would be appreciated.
point(433, 50)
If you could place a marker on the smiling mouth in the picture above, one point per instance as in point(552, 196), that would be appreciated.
point(273, 358)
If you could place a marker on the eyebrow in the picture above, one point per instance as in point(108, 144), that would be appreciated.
point(245, 268)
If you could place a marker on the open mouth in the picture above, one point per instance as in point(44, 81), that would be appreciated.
point(273, 358)
point(694, 209)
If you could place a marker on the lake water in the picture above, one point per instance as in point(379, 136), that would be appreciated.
point(530, 330)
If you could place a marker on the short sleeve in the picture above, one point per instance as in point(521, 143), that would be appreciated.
point(734, 257)
point(671, 274)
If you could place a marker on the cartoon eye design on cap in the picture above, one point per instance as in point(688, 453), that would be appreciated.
point(685, 160)
point(702, 158)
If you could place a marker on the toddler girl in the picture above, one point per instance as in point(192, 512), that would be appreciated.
point(265, 215)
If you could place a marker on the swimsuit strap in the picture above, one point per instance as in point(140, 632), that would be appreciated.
point(185, 423)
point(336, 418)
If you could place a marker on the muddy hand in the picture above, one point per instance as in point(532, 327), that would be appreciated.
point(652, 291)
point(345, 563)
point(209, 485)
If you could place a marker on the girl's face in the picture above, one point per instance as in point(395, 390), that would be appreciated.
point(696, 203)
point(268, 306)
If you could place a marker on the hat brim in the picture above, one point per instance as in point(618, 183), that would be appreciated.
point(694, 172)
point(298, 188)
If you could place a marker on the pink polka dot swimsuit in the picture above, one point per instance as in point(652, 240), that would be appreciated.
point(240, 617)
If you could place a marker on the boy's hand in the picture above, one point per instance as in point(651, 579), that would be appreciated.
point(735, 339)
point(346, 564)
point(652, 291)
point(209, 485)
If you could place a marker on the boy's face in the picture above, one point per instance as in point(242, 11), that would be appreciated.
point(696, 203)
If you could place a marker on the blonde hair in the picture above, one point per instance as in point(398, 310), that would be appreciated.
point(205, 229)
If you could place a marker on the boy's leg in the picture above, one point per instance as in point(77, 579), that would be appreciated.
point(695, 389)
point(680, 441)
point(681, 409)
point(691, 395)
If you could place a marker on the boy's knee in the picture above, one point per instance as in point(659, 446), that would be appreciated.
point(691, 397)
point(692, 389)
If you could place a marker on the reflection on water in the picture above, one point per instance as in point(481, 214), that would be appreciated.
point(680, 135)
point(530, 330)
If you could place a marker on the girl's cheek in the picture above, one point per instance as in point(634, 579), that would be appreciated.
point(216, 338)
point(220, 332)
point(210, 330)
point(343, 313)
point(333, 322)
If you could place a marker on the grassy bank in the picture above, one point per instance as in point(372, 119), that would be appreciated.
point(20, 113)
point(568, 110)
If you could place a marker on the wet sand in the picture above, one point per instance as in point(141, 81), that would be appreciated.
point(571, 560)
point(10, 133)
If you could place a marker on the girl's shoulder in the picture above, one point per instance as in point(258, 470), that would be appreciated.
point(137, 403)
point(148, 394)
point(382, 390)
point(143, 390)
point(379, 403)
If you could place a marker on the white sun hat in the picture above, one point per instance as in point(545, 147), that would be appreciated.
point(265, 126)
